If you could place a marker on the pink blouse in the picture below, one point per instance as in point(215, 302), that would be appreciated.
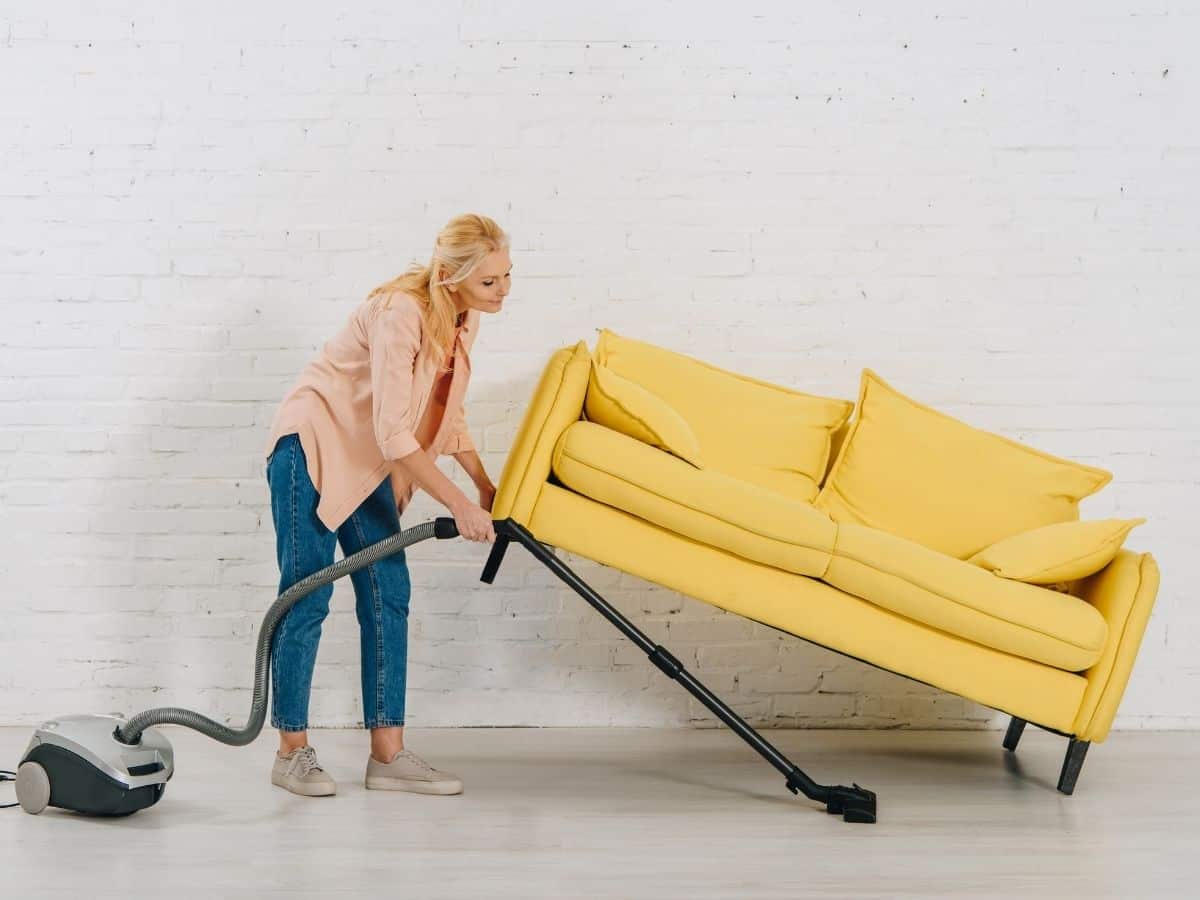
point(371, 397)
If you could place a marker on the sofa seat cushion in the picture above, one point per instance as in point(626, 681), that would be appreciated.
point(704, 505)
point(955, 596)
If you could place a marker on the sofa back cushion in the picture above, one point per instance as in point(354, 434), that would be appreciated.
point(835, 446)
point(909, 470)
point(769, 435)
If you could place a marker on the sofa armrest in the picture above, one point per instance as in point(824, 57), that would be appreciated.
point(557, 401)
point(1124, 593)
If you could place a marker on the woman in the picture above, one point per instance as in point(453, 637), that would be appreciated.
point(351, 441)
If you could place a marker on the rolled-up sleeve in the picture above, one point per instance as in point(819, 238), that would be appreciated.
point(460, 435)
point(393, 341)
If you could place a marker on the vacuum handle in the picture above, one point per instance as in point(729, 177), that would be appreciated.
point(445, 527)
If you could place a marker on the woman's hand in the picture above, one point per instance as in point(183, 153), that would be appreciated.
point(474, 522)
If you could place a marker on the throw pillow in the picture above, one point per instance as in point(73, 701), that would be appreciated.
point(1064, 551)
point(622, 405)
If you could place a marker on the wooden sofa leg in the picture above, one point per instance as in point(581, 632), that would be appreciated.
point(853, 803)
point(1073, 762)
point(1015, 729)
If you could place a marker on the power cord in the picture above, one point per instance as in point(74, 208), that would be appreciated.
point(6, 775)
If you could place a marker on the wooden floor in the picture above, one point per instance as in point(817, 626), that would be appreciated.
point(630, 812)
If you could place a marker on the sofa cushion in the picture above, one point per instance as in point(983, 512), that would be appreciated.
point(705, 505)
point(912, 471)
point(755, 431)
point(955, 596)
point(627, 407)
point(1056, 553)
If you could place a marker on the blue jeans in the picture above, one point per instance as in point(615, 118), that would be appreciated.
point(304, 545)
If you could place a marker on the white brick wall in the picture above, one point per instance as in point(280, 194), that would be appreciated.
point(994, 207)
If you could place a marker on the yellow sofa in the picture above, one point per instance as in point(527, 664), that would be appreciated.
point(759, 548)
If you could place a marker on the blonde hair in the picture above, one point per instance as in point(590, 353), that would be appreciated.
point(459, 248)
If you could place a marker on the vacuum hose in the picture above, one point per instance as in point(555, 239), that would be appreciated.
point(131, 731)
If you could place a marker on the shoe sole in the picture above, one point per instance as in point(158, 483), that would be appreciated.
point(415, 787)
point(304, 790)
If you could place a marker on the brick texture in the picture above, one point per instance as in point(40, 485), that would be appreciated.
point(995, 207)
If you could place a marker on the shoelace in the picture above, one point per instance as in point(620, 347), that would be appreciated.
point(416, 759)
point(304, 761)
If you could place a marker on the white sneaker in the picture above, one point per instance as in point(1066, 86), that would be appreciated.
point(300, 773)
point(408, 772)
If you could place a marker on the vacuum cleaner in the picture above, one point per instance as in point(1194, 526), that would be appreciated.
point(109, 766)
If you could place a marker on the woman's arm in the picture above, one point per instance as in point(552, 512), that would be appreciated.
point(473, 466)
point(473, 521)
point(422, 470)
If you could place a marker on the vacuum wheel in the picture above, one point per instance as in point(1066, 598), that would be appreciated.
point(33, 787)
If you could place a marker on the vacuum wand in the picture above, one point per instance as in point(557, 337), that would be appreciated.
point(131, 731)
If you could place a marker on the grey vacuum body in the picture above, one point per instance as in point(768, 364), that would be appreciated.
point(77, 763)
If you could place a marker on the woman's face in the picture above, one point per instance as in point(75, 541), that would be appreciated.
point(487, 286)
